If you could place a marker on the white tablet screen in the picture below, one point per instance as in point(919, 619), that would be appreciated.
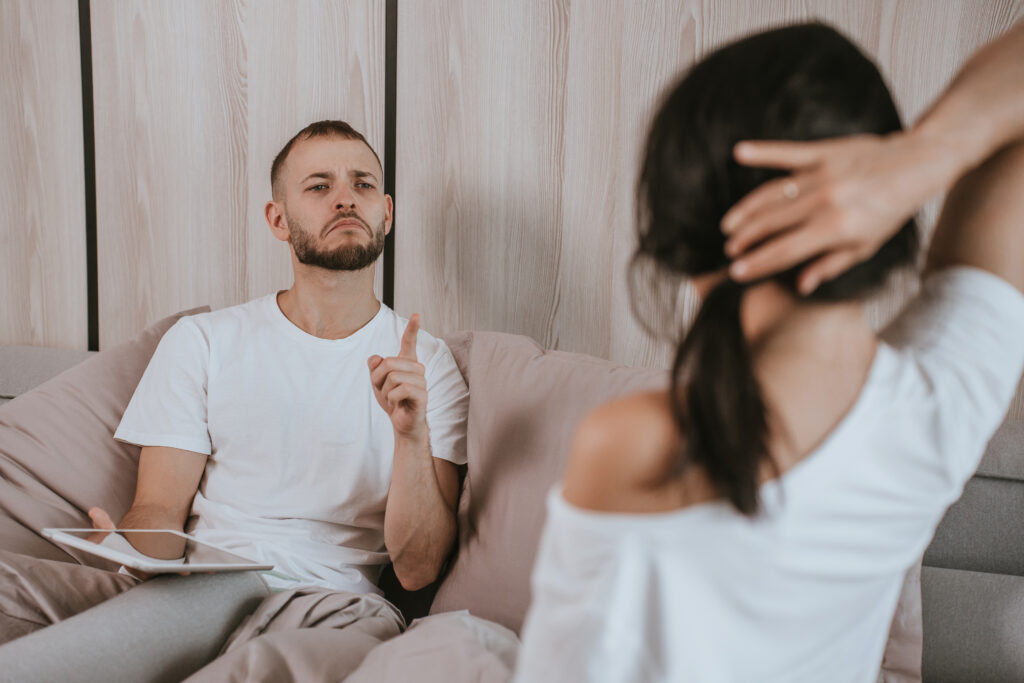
point(196, 553)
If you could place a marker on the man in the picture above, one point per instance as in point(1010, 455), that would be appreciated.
point(296, 430)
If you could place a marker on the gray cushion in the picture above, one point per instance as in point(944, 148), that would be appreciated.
point(1004, 457)
point(983, 530)
point(973, 626)
point(23, 367)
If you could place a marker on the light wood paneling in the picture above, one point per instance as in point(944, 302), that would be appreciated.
point(520, 127)
point(481, 96)
point(171, 144)
point(42, 186)
point(193, 100)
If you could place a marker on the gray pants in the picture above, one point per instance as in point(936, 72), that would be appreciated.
point(67, 622)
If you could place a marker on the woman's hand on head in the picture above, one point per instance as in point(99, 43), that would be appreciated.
point(843, 199)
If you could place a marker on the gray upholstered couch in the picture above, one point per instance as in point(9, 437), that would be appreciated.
point(973, 576)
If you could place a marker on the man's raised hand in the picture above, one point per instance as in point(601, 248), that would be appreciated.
point(400, 385)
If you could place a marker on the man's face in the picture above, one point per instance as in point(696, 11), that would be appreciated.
point(333, 203)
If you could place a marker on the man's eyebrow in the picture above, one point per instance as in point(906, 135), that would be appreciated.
point(364, 174)
point(326, 175)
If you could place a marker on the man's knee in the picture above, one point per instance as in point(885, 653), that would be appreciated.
point(35, 593)
point(17, 617)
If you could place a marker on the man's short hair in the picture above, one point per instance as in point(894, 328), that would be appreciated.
point(315, 130)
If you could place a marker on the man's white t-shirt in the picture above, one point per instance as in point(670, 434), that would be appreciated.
point(805, 591)
point(300, 452)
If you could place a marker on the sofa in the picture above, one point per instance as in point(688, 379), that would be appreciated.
point(58, 410)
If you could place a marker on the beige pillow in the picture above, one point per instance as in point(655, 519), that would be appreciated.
point(454, 646)
point(524, 403)
point(58, 456)
point(901, 662)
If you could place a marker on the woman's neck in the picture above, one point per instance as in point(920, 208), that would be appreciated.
point(775, 319)
point(811, 361)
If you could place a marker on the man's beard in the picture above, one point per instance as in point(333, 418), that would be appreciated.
point(349, 257)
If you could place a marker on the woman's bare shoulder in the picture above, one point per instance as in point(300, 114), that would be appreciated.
point(623, 454)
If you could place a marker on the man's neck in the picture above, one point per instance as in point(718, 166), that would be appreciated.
point(329, 304)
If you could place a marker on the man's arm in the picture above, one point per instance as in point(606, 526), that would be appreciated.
point(167, 482)
point(419, 520)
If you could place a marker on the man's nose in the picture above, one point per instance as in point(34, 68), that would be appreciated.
point(344, 199)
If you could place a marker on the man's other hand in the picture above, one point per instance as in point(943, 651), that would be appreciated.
point(400, 385)
point(100, 520)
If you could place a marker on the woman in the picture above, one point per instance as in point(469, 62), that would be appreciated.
point(754, 521)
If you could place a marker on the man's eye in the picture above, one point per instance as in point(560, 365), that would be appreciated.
point(317, 188)
point(365, 186)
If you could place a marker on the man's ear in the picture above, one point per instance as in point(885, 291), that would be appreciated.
point(274, 212)
point(389, 210)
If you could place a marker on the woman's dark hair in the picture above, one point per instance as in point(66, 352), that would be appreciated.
point(797, 83)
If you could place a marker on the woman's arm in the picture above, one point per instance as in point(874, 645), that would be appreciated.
point(982, 221)
point(847, 196)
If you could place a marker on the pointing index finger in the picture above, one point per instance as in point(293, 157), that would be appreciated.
point(408, 349)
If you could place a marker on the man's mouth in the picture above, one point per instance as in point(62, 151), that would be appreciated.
point(344, 223)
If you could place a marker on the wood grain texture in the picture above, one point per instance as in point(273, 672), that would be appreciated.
point(193, 100)
point(479, 171)
point(520, 127)
point(171, 159)
point(42, 179)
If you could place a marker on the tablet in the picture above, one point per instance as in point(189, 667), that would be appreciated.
point(199, 556)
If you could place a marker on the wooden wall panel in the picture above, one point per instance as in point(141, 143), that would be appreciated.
point(171, 164)
point(519, 133)
point(479, 172)
point(193, 100)
point(42, 186)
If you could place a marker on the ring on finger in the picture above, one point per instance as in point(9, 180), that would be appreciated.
point(790, 190)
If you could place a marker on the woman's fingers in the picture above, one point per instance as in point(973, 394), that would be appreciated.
point(777, 193)
point(827, 267)
point(814, 164)
point(771, 220)
point(783, 154)
point(787, 154)
point(784, 252)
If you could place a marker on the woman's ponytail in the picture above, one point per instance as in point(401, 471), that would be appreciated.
point(717, 403)
point(815, 84)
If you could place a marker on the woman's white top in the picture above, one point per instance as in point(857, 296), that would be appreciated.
point(806, 590)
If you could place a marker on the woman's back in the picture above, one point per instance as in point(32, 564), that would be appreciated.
point(755, 522)
point(806, 589)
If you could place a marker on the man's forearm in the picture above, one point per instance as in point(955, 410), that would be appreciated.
point(161, 546)
point(419, 525)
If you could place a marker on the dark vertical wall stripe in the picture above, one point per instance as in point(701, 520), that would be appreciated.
point(89, 140)
point(390, 89)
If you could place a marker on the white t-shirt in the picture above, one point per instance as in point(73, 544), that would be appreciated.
point(806, 590)
point(300, 452)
